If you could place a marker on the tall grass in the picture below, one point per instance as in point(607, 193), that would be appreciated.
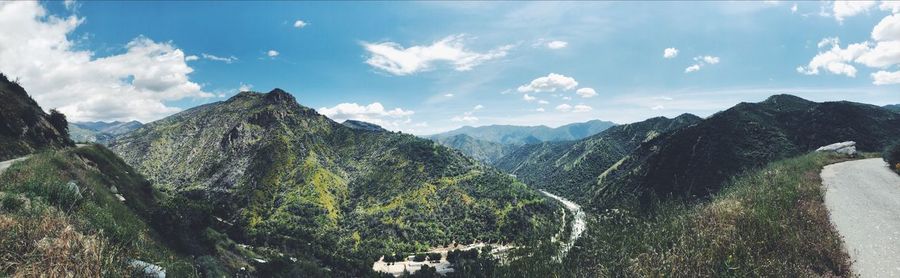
point(771, 222)
point(39, 205)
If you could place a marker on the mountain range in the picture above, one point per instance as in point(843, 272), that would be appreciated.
point(100, 132)
point(695, 161)
point(571, 168)
point(286, 177)
point(489, 143)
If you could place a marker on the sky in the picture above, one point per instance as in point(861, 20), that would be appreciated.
point(429, 67)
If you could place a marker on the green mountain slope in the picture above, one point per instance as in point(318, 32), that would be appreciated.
point(520, 135)
point(24, 126)
point(289, 179)
point(893, 107)
point(482, 150)
point(572, 168)
point(695, 161)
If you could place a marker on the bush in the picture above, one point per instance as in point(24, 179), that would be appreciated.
point(419, 258)
point(891, 155)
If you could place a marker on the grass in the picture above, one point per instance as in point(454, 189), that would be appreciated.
point(65, 199)
point(770, 222)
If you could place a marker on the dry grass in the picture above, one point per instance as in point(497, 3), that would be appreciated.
point(42, 242)
point(769, 223)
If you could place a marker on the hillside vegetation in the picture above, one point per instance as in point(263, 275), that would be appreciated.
point(771, 222)
point(24, 126)
point(287, 179)
point(482, 150)
point(572, 168)
point(61, 214)
point(697, 160)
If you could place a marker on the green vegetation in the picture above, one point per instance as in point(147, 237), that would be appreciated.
point(482, 150)
point(286, 180)
point(25, 127)
point(891, 155)
point(696, 161)
point(771, 223)
point(571, 169)
point(68, 198)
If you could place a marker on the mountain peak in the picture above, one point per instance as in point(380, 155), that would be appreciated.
point(279, 95)
point(787, 101)
point(366, 126)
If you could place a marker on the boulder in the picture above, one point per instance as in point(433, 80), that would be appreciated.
point(848, 148)
point(148, 270)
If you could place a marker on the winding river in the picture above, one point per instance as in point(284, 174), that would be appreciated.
point(578, 223)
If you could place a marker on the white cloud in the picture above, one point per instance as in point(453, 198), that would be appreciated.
point(191, 58)
point(794, 8)
point(692, 68)
point(133, 85)
point(885, 78)
point(245, 87)
point(299, 24)
point(375, 113)
point(586, 92)
point(892, 6)
point(272, 53)
point(567, 98)
point(701, 61)
point(887, 29)
point(465, 118)
point(581, 108)
point(657, 107)
point(478, 107)
point(526, 97)
point(448, 95)
point(712, 60)
point(882, 53)
point(564, 107)
point(397, 60)
point(543, 102)
point(227, 60)
point(557, 44)
point(844, 9)
point(670, 53)
point(549, 83)
point(540, 109)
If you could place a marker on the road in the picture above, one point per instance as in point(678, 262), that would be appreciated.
point(5, 164)
point(578, 223)
point(863, 197)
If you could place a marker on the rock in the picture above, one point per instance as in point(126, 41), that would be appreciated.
point(848, 148)
point(147, 269)
point(72, 186)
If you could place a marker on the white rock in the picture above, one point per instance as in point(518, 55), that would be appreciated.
point(848, 147)
point(148, 269)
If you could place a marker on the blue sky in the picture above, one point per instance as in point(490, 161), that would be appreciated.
point(433, 66)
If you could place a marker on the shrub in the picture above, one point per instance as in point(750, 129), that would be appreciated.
point(891, 155)
point(419, 258)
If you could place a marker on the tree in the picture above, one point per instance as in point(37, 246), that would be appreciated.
point(58, 120)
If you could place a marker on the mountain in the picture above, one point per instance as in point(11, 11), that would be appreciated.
point(360, 125)
point(520, 135)
point(696, 160)
point(330, 197)
point(571, 168)
point(482, 150)
point(100, 132)
point(24, 126)
point(893, 107)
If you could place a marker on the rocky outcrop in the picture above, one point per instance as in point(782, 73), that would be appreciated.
point(848, 148)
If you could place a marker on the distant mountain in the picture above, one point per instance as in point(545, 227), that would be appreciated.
point(696, 160)
point(360, 125)
point(520, 135)
point(482, 150)
point(331, 197)
point(24, 126)
point(571, 168)
point(100, 132)
point(893, 107)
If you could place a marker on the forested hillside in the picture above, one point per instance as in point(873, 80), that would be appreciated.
point(572, 168)
point(289, 179)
